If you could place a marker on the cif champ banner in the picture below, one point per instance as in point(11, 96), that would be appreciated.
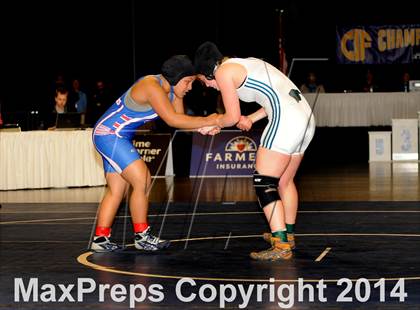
point(378, 44)
point(153, 147)
point(231, 152)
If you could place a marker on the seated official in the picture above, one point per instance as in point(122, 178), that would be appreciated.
point(60, 98)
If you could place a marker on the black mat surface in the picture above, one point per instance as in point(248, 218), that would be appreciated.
point(361, 241)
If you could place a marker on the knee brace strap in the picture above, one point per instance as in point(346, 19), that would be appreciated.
point(266, 188)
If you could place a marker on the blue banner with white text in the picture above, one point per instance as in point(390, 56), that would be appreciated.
point(386, 44)
point(229, 153)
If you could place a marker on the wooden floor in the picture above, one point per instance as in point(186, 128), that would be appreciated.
point(361, 182)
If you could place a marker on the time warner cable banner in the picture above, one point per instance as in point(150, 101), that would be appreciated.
point(384, 44)
point(232, 153)
point(153, 149)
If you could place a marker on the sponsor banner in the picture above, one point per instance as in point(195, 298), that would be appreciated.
point(152, 148)
point(231, 152)
point(384, 44)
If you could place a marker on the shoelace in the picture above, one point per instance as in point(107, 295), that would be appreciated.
point(149, 237)
point(152, 239)
point(111, 246)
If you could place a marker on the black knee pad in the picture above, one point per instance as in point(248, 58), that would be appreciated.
point(266, 188)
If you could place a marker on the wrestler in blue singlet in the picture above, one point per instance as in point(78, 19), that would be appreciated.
point(113, 132)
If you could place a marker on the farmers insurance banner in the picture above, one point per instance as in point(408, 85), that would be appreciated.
point(378, 44)
point(232, 153)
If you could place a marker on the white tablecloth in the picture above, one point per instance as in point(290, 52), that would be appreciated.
point(363, 109)
point(43, 159)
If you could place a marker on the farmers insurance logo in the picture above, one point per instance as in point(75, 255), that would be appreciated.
point(241, 144)
point(232, 153)
point(239, 153)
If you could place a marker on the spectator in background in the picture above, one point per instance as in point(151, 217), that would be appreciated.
point(59, 81)
point(405, 82)
point(60, 98)
point(370, 85)
point(100, 102)
point(203, 103)
point(77, 98)
point(311, 85)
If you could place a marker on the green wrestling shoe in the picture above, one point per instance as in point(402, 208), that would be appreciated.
point(279, 251)
point(290, 238)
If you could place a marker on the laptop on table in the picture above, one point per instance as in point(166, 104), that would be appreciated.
point(69, 121)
